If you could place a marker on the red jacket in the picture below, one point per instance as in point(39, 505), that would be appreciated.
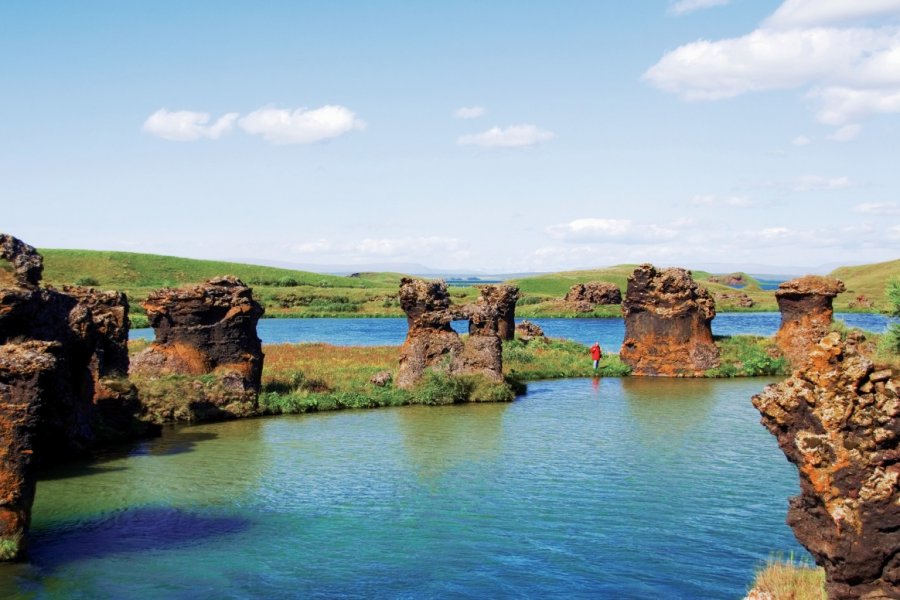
point(596, 353)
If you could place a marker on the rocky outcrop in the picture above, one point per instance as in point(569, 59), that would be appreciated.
point(63, 391)
point(862, 301)
point(502, 299)
point(734, 299)
point(430, 341)
point(27, 387)
point(482, 352)
point(208, 328)
point(585, 296)
point(667, 324)
point(731, 280)
point(26, 264)
point(527, 331)
point(837, 420)
point(806, 314)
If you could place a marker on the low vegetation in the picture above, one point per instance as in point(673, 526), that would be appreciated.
point(748, 356)
point(293, 293)
point(9, 546)
point(788, 580)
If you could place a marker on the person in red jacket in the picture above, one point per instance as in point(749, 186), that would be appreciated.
point(596, 354)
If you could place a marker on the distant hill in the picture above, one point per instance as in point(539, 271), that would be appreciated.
point(868, 280)
point(135, 270)
point(292, 292)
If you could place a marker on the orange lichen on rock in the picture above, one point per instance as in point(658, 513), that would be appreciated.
point(667, 324)
point(836, 418)
point(208, 328)
point(806, 314)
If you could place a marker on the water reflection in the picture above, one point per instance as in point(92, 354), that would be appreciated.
point(666, 411)
point(437, 439)
point(162, 471)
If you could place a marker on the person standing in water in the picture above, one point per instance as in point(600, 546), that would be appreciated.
point(596, 354)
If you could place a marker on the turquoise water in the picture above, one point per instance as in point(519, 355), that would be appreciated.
point(615, 488)
point(609, 332)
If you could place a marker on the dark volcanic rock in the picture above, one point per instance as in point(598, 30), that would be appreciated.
point(209, 328)
point(837, 420)
point(27, 387)
point(806, 314)
point(667, 324)
point(502, 298)
point(63, 384)
point(528, 331)
point(430, 340)
point(27, 265)
point(587, 295)
point(482, 352)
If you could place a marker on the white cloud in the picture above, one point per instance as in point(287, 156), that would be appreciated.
point(801, 140)
point(515, 136)
point(846, 133)
point(878, 208)
point(713, 200)
point(406, 245)
point(852, 72)
point(301, 126)
point(619, 230)
point(805, 13)
point(683, 7)
point(469, 112)
point(813, 183)
point(186, 125)
point(313, 247)
point(842, 104)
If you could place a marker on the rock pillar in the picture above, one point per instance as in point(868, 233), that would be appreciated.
point(430, 340)
point(806, 314)
point(837, 420)
point(667, 324)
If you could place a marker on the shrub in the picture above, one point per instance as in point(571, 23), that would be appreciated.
point(748, 356)
point(287, 281)
point(87, 281)
point(9, 546)
point(790, 579)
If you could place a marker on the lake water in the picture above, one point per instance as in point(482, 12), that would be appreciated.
point(609, 332)
point(615, 488)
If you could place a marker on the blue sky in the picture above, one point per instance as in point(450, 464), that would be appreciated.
point(500, 136)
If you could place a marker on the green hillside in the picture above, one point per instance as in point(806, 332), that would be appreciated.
point(133, 270)
point(283, 292)
point(866, 280)
point(287, 292)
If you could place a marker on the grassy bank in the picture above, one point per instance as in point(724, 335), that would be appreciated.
point(309, 377)
point(313, 377)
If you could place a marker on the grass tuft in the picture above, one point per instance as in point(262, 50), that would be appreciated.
point(10, 546)
point(789, 580)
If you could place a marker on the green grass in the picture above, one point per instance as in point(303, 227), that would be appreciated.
point(748, 356)
point(789, 580)
point(868, 280)
point(127, 270)
point(9, 547)
point(292, 293)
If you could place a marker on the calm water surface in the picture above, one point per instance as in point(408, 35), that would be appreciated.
point(609, 332)
point(615, 488)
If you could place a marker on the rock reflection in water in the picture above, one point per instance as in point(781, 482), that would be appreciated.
point(438, 439)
